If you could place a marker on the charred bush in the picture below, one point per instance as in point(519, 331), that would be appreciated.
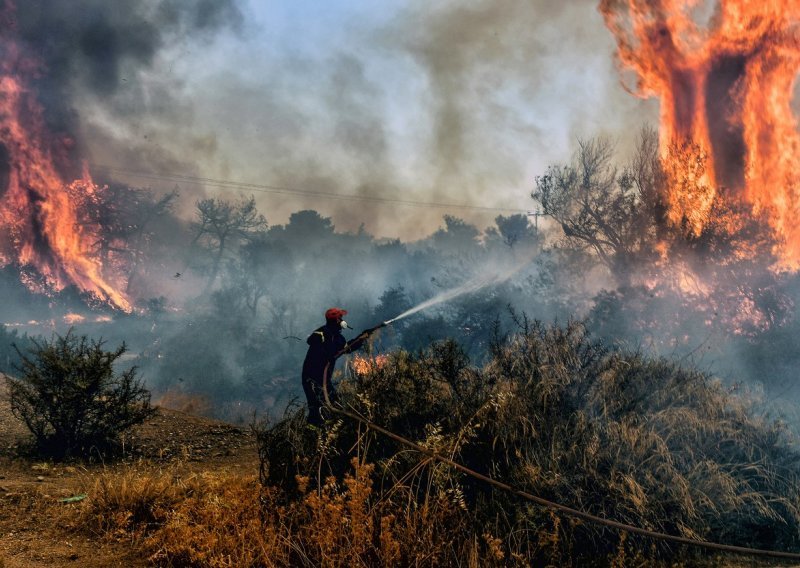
point(71, 398)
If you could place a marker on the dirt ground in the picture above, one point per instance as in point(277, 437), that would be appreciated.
point(34, 532)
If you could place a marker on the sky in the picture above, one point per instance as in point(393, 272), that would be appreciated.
point(461, 102)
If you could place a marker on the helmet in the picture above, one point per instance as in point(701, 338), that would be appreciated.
point(335, 314)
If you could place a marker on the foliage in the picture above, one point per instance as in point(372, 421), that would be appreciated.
point(622, 436)
point(72, 400)
point(613, 213)
point(245, 338)
point(222, 225)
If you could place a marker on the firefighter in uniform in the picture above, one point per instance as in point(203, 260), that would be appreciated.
point(325, 345)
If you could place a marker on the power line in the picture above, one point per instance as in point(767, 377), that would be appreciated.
point(263, 188)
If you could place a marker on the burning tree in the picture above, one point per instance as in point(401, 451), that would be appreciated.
point(42, 228)
point(614, 213)
point(726, 86)
point(667, 270)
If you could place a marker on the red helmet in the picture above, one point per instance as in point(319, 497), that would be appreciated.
point(335, 314)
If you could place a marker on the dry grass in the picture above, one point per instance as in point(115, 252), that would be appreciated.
point(640, 441)
point(230, 520)
point(190, 403)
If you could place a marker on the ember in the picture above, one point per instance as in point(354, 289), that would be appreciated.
point(72, 319)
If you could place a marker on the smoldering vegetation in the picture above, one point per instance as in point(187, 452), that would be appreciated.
point(658, 392)
point(551, 411)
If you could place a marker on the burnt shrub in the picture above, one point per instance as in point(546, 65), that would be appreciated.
point(72, 400)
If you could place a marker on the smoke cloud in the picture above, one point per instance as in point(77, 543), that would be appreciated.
point(459, 102)
point(99, 52)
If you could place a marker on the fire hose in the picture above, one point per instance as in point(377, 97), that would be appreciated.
point(531, 497)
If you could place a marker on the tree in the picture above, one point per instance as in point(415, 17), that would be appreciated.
point(9, 340)
point(393, 302)
point(306, 231)
point(221, 225)
point(458, 236)
point(678, 248)
point(263, 263)
point(616, 214)
point(71, 399)
point(122, 217)
point(515, 229)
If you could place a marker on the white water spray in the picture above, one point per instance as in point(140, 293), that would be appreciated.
point(480, 281)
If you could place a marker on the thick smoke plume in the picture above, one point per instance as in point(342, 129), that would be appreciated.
point(97, 48)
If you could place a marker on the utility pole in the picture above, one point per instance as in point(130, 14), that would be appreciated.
point(535, 214)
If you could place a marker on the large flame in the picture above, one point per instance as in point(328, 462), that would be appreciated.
point(727, 86)
point(42, 229)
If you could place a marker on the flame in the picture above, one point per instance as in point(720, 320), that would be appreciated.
point(42, 230)
point(72, 319)
point(727, 87)
point(362, 365)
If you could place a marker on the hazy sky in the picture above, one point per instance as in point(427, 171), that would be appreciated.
point(464, 102)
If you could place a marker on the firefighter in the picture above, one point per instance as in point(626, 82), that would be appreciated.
point(325, 345)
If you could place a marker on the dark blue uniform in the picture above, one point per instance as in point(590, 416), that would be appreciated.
point(325, 344)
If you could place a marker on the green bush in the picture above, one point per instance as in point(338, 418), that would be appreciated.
point(71, 399)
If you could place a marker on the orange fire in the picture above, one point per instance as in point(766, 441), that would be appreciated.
point(727, 86)
point(42, 229)
point(363, 365)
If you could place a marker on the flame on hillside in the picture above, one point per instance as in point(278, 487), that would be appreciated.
point(727, 86)
point(43, 231)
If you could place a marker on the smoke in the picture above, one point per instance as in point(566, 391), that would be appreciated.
point(450, 102)
point(99, 52)
point(509, 86)
point(490, 274)
point(461, 102)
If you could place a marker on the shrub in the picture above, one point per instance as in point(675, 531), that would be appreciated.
point(554, 412)
point(71, 399)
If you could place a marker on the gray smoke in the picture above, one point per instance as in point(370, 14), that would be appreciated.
point(459, 102)
point(96, 48)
